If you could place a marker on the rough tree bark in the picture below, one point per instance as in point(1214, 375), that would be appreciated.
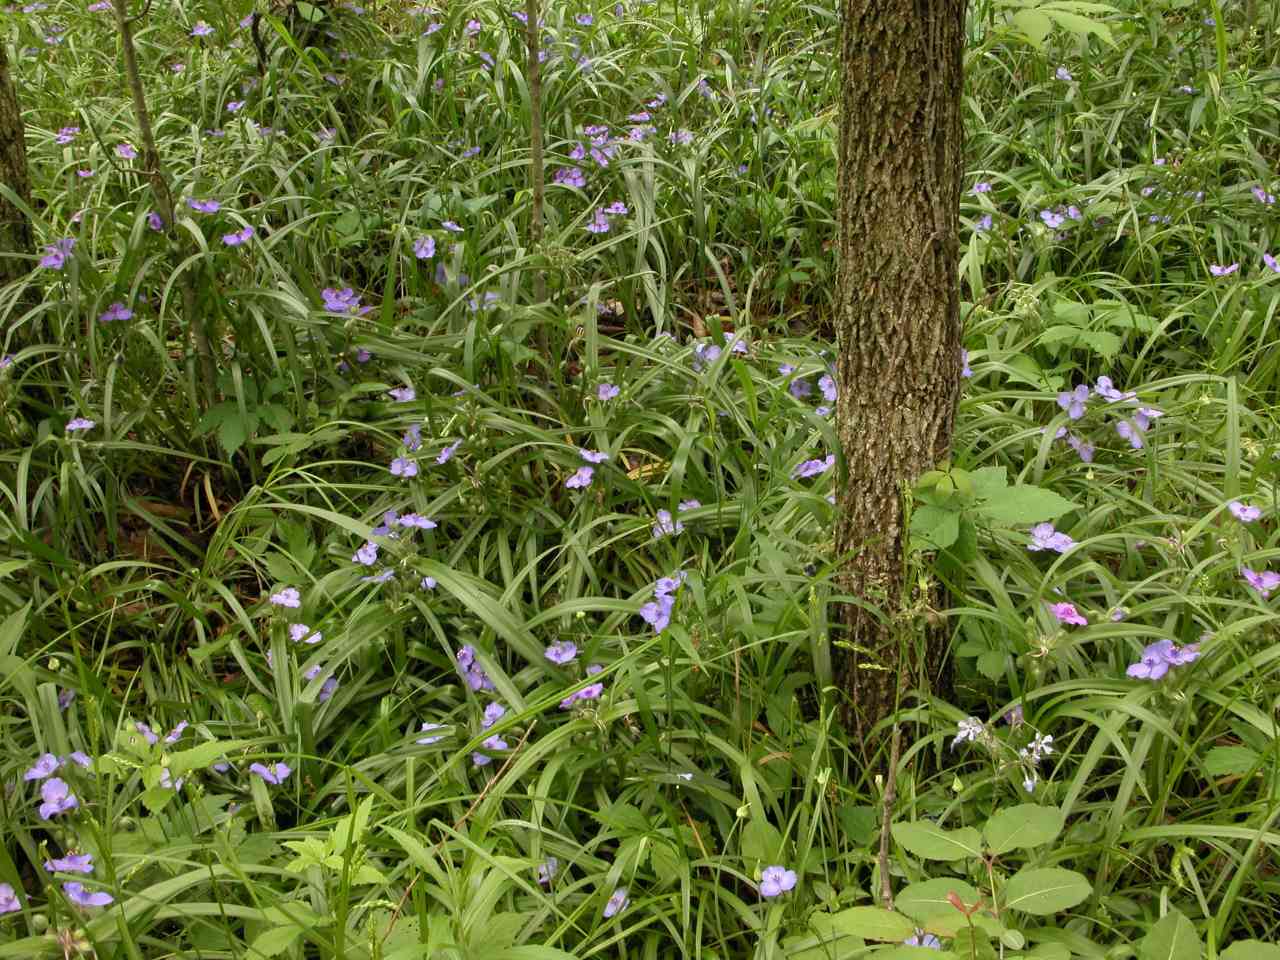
point(898, 322)
point(15, 229)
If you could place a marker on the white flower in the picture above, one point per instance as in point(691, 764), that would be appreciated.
point(970, 728)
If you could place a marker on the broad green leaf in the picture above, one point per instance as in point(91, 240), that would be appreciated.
point(1025, 504)
point(1033, 25)
point(1173, 937)
point(931, 842)
point(761, 841)
point(1251, 950)
point(928, 898)
point(275, 941)
point(1018, 828)
point(199, 757)
point(1045, 890)
point(873, 923)
point(934, 527)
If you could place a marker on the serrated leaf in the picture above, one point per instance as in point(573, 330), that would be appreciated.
point(1021, 827)
point(927, 899)
point(1025, 504)
point(931, 842)
point(1230, 761)
point(1173, 937)
point(1045, 890)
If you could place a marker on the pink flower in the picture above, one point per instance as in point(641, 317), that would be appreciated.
point(1067, 613)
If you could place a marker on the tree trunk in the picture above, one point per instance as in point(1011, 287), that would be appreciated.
point(15, 229)
point(898, 321)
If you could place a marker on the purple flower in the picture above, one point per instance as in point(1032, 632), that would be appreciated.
point(449, 224)
point(690, 504)
point(657, 612)
point(80, 423)
point(8, 900)
point(234, 106)
point(155, 221)
point(1272, 263)
point(566, 651)
point(327, 690)
point(427, 583)
point(492, 714)
point(814, 468)
point(273, 773)
point(592, 456)
point(45, 766)
point(616, 903)
point(1044, 537)
point(547, 870)
point(426, 728)
point(681, 138)
point(1051, 220)
point(1131, 431)
point(147, 733)
point(1223, 271)
point(239, 237)
point(81, 897)
point(117, 311)
point(201, 29)
point(344, 300)
point(617, 208)
point(490, 743)
point(417, 520)
point(776, 880)
point(1262, 196)
point(174, 735)
point(600, 222)
point(800, 388)
point(66, 135)
point(367, 555)
point(71, 863)
point(922, 939)
point(125, 151)
point(472, 672)
point(412, 439)
point(585, 19)
point(1067, 613)
point(1263, 581)
point(288, 597)
point(1073, 401)
point(1063, 74)
point(666, 526)
point(204, 206)
point(57, 798)
point(1104, 388)
point(403, 394)
point(983, 223)
point(827, 384)
point(1243, 512)
point(404, 467)
point(1082, 447)
point(606, 391)
point(424, 248)
point(580, 479)
point(982, 186)
point(57, 253)
point(301, 633)
point(84, 174)
point(569, 177)
point(1158, 657)
point(447, 453)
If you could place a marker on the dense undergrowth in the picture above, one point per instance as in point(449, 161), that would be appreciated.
point(441, 623)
